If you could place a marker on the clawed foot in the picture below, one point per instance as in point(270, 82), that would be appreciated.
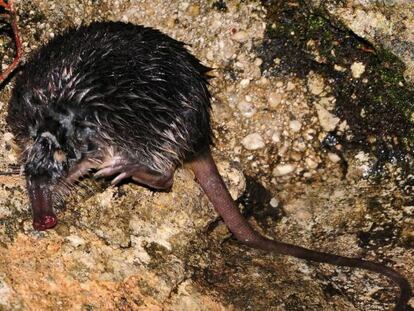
point(116, 166)
point(139, 173)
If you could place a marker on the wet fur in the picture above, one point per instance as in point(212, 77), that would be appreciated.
point(141, 91)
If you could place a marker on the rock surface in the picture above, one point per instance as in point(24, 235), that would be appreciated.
point(386, 24)
point(128, 248)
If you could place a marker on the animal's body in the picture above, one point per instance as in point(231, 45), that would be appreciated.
point(129, 102)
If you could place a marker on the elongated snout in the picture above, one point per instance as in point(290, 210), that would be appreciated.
point(40, 195)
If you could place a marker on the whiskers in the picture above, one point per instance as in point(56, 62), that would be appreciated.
point(67, 190)
point(62, 189)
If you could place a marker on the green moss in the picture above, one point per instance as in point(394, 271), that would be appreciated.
point(379, 104)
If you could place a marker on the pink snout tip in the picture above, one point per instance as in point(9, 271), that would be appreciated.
point(46, 222)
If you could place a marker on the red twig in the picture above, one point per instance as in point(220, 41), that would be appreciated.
point(5, 5)
point(19, 49)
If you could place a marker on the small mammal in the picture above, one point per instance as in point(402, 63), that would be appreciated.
point(131, 102)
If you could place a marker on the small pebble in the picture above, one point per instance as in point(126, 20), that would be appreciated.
point(333, 157)
point(316, 84)
point(246, 108)
point(240, 36)
point(237, 149)
point(408, 209)
point(263, 81)
point(311, 163)
point(274, 99)
point(296, 156)
point(327, 120)
point(274, 202)
point(276, 137)
point(307, 174)
point(12, 157)
point(283, 169)
point(339, 68)
point(279, 84)
point(290, 86)
point(194, 10)
point(253, 142)
point(299, 210)
point(357, 69)
point(258, 61)
point(295, 125)
point(244, 83)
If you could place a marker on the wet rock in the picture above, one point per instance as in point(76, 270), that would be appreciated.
point(129, 248)
point(360, 165)
point(385, 24)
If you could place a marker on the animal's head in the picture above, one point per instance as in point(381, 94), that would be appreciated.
point(46, 159)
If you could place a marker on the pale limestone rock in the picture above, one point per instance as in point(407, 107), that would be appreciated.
point(253, 141)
